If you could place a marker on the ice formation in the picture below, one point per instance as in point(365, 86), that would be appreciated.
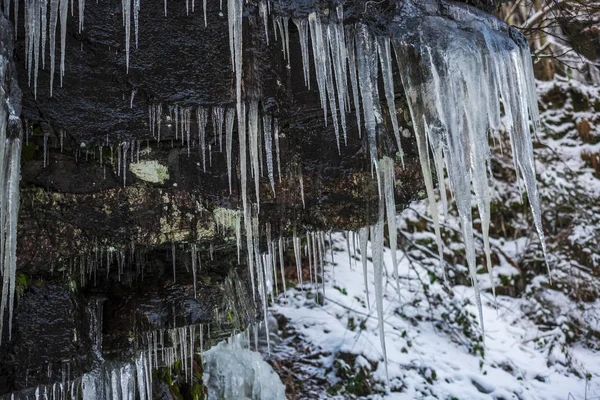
point(235, 372)
point(10, 172)
point(464, 77)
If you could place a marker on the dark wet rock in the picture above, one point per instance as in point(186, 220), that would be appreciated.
point(50, 332)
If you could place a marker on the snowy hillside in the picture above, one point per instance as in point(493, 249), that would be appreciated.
point(433, 344)
point(542, 335)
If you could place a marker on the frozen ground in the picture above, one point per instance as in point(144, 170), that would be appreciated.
point(432, 349)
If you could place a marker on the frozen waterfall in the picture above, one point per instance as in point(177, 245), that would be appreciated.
point(233, 371)
point(10, 171)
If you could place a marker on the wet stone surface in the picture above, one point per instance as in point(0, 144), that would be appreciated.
point(89, 232)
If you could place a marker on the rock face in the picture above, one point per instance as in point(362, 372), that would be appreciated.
point(108, 209)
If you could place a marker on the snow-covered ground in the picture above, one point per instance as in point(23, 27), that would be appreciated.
point(433, 348)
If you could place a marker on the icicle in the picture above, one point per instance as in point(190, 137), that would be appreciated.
point(378, 265)
point(262, 10)
point(202, 120)
point(363, 238)
point(238, 234)
point(229, 119)
point(81, 9)
point(64, 6)
point(389, 184)
point(276, 131)
point(354, 81)
point(269, 149)
point(44, 23)
point(253, 141)
point(329, 84)
point(385, 57)
point(282, 266)
point(316, 34)
point(126, 7)
point(455, 106)
point(286, 40)
point(218, 115)
point(301, 187)
point(296, 243)
point(45, 151)
point(194, 260)
point(335, 37)
point(136, 15)
point(366, 58)
point(10, 175)
point(302, 26)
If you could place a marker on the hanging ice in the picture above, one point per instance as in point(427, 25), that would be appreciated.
point(10, 171)
point(378, 266)
point(269, 149)
point(202, 120)
point(235, 372)
point(276, 133)
point(218, 114)
point(454, 89)
point(229, 120)
point(389, 183)
point(253, 140)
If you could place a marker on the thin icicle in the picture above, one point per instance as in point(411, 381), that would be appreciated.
point(229, 120)
point(363, 238)
point(269, 149)
point(378, 266)
point(385, 57)
point(316, 35)
point(300, 178)
point(296, 243)
point(52, 37)
point(337, 45)
point(276, 132)
point(302, 26)
point(254, 150)
point(81, 6)
point(366, 57)
point(354, 81)
point(282, 265)
point(218, 114)
point(64, 9)
point(389, 184)
point(262, 10)
point(126, 7)
point(202, 120)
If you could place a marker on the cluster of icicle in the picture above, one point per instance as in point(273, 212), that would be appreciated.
point(10, 173)
point(41, 21)
point(466, 76)
point(262, 136)
point(131, 380)
point(161, 348)
point(128, 380)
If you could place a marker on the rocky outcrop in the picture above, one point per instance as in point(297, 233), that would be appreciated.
point(109, 211)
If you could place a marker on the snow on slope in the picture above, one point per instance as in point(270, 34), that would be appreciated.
point(433, 347)
point(543, 340)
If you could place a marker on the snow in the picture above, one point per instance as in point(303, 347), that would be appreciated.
point(428, 356)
